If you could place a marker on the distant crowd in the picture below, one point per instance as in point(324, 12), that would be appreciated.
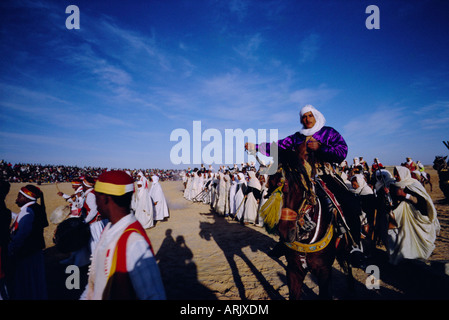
point(37, 173)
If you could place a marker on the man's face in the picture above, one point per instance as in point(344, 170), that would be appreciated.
point(308, 120)
point(101, 204)
point(21, 200)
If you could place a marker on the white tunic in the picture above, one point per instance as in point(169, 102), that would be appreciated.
point(140, 263)
point(160, 203)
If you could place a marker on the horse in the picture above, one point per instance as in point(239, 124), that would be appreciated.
point(307, 223)
point(442, 167)
point(425, 179)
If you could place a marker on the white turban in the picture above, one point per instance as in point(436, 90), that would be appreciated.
point(320, 120)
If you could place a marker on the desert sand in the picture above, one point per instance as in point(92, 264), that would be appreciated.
point(202, 256)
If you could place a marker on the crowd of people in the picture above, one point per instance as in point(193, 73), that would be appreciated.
point(234, 192)
point(409, 226)
point(108, 204)
point(38, 173)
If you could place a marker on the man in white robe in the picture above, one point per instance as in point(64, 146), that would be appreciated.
point(232, 190)
point(160, 203)
point(92, 216)
point(142, 203)
point(207, 187)
point(365, 194)
point(196, 187)
point(416, 218)
point(251, 204)
point(220, 206)
point(240, 196)
point(188, 188)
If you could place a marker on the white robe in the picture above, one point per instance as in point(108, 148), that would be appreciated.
point(251, 205)
point(220, 206)
point(196, 187)
point(96, 228)
point(208, 185)
point(232, 190)
point(142, 204)
point(188, 189)
point(240, 197)
point(160, 203)
point(415, 237)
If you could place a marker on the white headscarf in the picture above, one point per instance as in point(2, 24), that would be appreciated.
point(406, 177)
point(253, 181)
point(320, 120)
point(155, 179)
point(241, 178)
point(363, 188)
point(387, 178)
point(415, 186)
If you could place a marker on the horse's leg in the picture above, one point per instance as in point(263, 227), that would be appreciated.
point(320, 264)
point(324, 275)
point(295, 275)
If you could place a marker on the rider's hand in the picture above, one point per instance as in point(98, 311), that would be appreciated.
point(250, 146)
point(313, 145)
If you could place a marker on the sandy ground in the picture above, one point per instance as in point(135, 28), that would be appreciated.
point(205, 257)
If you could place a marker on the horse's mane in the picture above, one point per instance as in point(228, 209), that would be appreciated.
point(294, 170)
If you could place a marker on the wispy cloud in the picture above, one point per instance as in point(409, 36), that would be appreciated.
point(249, 48)
point(239, 8)
point(309, 47)
point(378, 123)
point(312, 96)
point(434, 116)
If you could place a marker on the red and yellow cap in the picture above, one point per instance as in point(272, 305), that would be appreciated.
point(30, 194)
point(115, 183)
point(76, 183)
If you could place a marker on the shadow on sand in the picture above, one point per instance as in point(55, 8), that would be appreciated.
point(229, 237)
point(178, 271)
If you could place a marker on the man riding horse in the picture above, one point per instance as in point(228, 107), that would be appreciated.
point(325, 146)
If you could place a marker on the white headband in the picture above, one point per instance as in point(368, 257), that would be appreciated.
point(29, 197)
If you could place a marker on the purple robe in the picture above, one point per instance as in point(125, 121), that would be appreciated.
point(333, 147)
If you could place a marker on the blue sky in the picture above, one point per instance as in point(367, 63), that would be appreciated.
point(110, 93)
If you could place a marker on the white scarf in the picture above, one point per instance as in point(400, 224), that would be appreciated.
point(415, 186)
point(253, 181)
point(363, 188)
point(320, 120)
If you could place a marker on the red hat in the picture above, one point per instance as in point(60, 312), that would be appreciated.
point(28, 192)
point(114, 183)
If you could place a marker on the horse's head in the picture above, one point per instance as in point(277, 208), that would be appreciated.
point(440, 163)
